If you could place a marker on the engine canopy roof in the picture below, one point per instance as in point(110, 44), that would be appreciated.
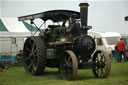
point(54, 15)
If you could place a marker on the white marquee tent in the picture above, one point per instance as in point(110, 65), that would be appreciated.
point(12, 35)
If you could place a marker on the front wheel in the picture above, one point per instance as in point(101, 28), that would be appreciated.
point(68, 65)
point(102, 64)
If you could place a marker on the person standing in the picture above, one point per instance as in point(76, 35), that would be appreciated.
point(121, 48)
point(116, 54)
point(19, 56)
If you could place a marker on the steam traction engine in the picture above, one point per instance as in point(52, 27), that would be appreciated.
point(64, 45)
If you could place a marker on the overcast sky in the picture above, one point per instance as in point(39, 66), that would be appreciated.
point(103, 15)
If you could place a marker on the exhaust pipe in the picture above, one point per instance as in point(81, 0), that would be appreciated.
point(84, 15)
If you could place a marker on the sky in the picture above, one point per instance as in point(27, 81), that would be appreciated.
point(103, 15)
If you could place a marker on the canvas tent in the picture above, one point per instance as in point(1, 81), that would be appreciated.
point(2, 26)
point(12, 35)
point(13, 25)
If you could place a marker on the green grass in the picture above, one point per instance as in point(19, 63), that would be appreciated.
point(16, 75)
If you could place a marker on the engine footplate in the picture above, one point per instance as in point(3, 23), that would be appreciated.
point(85, 65)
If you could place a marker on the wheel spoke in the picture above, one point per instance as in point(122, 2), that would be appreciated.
point(69, 71)
point(33, 47)
point(30, 42)
point(29, 66)
point(33, 70)
point(102, 57)
point(28, 58)
point(35, 55)
point(65, 58)
point(104, 71)
point(101, 72)
point(33, 62)
point(97, 71)
point(68, 64)
point(101, 54)
point(69, 59)
point(28, 49)
point(96, 60)
point(34, 51)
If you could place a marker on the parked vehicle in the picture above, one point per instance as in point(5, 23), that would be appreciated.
point(105, 40)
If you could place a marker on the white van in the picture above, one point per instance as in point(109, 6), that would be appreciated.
point(106, 40)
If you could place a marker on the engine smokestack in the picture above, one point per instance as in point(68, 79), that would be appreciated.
point(84, 15)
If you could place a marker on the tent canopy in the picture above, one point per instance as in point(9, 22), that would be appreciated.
point(13, 25)
point(2, 27)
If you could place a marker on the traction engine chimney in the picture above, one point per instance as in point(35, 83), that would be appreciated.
point(84, 15)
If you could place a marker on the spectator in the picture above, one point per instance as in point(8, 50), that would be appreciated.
point(121, 49)
point(19, 56)
point(117, 54)
point(2, 67)
point(127, 44)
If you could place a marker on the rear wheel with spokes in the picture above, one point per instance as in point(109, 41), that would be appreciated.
point(102, 64)
point(34, 55)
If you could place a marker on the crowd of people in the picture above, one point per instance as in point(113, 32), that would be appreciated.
point(121, 50)
point(19, 57)
point(3, 67)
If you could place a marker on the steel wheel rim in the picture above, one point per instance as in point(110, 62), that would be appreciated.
point(101, 67)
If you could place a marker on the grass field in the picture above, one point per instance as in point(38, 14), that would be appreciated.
point(16, 75)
